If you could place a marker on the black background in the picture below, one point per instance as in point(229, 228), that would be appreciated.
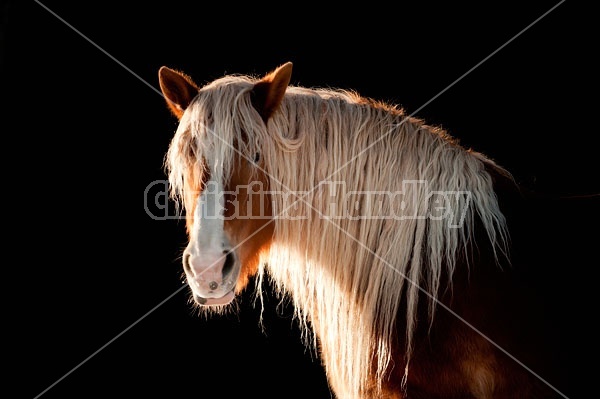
point(84, 137)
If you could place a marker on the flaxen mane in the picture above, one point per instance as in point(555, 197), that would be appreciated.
point(347, 273)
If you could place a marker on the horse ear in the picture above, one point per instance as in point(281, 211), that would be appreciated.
point(268, 92)
point(178, 89)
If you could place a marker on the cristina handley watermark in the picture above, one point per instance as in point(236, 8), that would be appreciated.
point(329, 200)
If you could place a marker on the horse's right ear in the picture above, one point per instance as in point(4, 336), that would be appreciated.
point(268, 92)
point(178, 89)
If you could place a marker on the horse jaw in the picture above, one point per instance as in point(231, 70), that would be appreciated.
point(211, 266)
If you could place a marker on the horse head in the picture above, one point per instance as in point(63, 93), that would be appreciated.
point(228, 212)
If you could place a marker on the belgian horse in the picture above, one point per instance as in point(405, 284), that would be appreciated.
point(395, 244)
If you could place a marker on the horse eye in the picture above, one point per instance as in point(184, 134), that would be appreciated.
point(257, 157)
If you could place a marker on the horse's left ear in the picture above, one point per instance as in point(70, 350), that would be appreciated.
point(268, 92)
point(178, 89)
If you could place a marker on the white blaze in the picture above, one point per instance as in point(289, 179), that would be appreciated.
point(207, 230)
point(208, 246)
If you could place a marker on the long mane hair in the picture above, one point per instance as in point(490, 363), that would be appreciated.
point(352, 281)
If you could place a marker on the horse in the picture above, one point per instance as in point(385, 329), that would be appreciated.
point(393, 242)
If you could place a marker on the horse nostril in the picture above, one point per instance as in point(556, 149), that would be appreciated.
point(213, 285)
point(186, 263)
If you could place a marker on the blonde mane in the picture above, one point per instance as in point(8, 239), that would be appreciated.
point(348, 277)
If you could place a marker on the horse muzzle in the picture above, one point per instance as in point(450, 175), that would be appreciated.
point(212, 277)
